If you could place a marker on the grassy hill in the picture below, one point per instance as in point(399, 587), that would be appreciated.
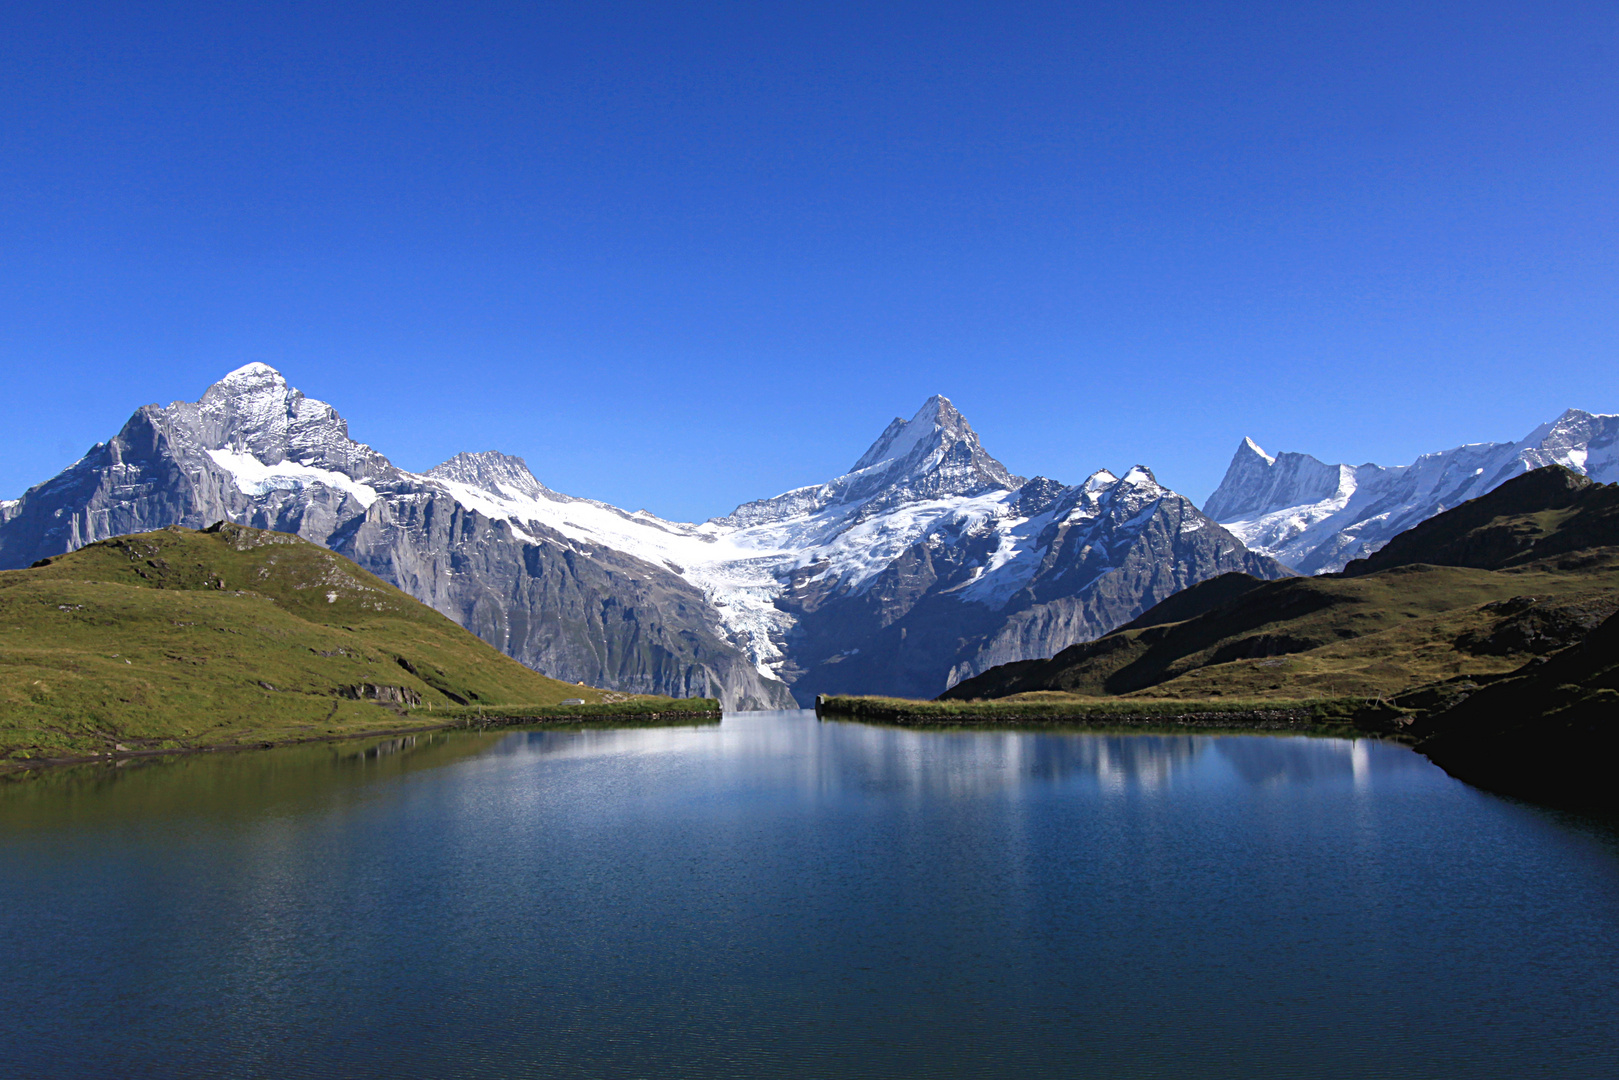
point(231, 636)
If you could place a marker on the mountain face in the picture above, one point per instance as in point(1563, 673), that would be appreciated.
point(257, 452)
point(1316, 517)
point(927, 562)
point(1524, 570)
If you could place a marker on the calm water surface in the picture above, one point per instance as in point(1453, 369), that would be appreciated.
point(773, 896)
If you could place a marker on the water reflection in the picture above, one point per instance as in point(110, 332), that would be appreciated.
point(1301, 760)
point(793, 748)
point(761, 750)
point(776, 896)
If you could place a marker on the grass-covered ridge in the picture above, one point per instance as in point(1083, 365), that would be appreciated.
point(1057, 708)
point(231, 636)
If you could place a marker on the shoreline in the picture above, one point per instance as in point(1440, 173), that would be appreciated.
point(495, 718)
point(1324, 717)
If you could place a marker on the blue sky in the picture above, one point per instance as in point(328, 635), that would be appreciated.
point(680, 256)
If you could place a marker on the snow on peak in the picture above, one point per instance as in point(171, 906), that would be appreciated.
point(1316, 517)
point(937, 421)
point(1254, 448)
point(1100, 479)
point(254, 372)
point(1139, 476)
point(491, 471)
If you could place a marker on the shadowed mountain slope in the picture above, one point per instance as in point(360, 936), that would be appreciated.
point(1316, 517)
point(1551, 511)
point(1549, 733)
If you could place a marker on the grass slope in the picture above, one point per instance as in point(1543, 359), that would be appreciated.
point(1545, 513)
point(230, 636)
point(1380, 634)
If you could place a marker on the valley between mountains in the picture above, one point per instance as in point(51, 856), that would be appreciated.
point(925, 564)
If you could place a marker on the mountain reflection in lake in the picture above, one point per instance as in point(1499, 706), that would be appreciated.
point(777, 896)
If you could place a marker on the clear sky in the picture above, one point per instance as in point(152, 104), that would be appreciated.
point(679, 256)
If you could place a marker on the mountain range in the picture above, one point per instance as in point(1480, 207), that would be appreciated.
point(1316, 517)
point(928, 562)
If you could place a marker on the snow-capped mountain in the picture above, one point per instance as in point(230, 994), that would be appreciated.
point(1316, 517)
point(257, 451)
point(927, 562)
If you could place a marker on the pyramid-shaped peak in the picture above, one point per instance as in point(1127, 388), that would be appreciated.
point(1248, 446)
point(1140, 476)
point(936, 423)
point(1101, 478)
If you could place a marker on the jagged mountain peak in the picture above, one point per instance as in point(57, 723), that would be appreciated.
point(1100, 479)
point(250, 383)
point(1140, 476)
point(1256, 482)
point(255, 411)
point(936, 423)
point(491, 471)
point(935, 454)
point(1316, 517)
point(936, 440)
point(1248, 446)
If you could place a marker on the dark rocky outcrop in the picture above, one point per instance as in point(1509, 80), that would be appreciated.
point(1550, 733)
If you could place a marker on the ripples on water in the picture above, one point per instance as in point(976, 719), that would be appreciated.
point(773, 896)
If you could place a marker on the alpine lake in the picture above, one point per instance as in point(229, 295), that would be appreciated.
point(776, 896)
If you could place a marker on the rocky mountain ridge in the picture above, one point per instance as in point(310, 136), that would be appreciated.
point(926, 562)
point(1316, 517)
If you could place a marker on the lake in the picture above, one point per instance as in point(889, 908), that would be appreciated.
point(777, 896)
